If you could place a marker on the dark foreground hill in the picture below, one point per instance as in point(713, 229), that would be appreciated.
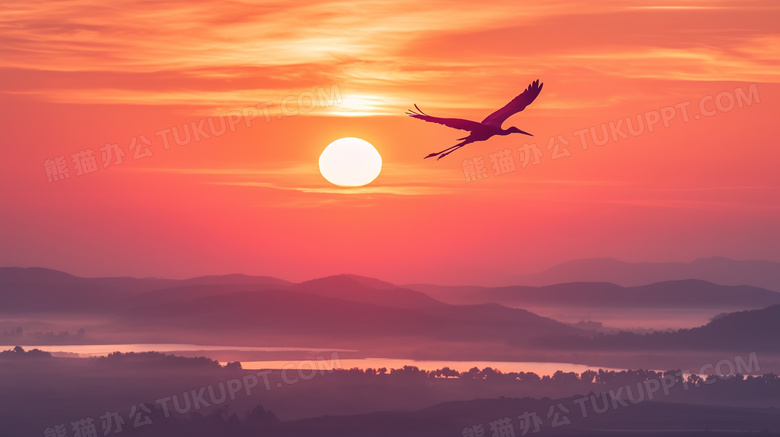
point(747, 331)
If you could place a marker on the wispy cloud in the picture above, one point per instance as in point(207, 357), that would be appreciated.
point(380, 52)
point(398, 180)
point(404, 190)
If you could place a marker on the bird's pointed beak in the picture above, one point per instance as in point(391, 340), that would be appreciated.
point(526, 133)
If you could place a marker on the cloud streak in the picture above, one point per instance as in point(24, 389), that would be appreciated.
point(379, 52)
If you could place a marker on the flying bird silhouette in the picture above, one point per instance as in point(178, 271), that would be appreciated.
point(481, 131)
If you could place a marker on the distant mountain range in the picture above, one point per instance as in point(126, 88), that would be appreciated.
point(42, 290)
point(366, 313)
point(689, 293)
point(718, 270)
point(339, 310)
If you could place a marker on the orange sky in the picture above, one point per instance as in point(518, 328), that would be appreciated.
point(77, 75)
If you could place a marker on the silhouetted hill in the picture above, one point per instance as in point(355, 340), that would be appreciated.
point(45, 290)
point(755, 330)
point(748, 331)
point(450, 419)
point(719, 270)
point(35, 275)
point(33, 290)
point(191, 292)
point(671, 294)
point(261, 314)
point(744, 329)
point(236, 279)
point(367, 290)
point(346, 287)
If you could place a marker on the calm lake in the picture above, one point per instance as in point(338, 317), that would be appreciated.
point(325, 361)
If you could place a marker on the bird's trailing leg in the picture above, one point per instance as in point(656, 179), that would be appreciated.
point(445, 154)
point(412, 112)
point(447, 151)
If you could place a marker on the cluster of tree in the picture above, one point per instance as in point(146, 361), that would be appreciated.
point(601, 377)
point(13, 333)
point(488, 373)
point(157, 359)
point(19, 353)
point(151, 359)
point(62, 337)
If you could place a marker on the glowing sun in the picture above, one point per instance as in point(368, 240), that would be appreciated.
point(350, 162)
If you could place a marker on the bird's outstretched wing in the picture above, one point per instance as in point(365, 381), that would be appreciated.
point(455, 123)
point(516, 105)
